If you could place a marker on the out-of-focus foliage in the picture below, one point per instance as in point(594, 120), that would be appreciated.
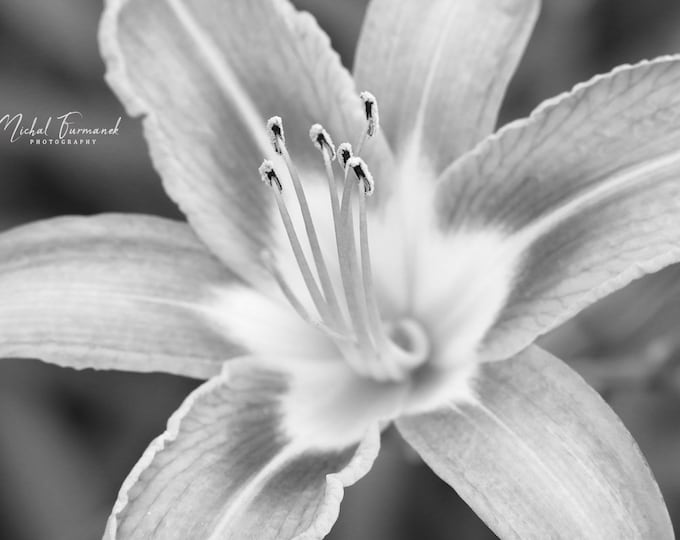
point(68, 438)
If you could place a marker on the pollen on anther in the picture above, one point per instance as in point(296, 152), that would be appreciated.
point(371, 111)
point(322, 140)
point(276, 135)
point(360, 169)
point(269, 176)
point(344, 153)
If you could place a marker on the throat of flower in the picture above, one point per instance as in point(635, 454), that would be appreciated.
point(350, 316)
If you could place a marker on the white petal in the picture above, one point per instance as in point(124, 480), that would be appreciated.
point(240, 460)
point(586, 190)
point(439, 70)
point(110, 292)
point(539, 454)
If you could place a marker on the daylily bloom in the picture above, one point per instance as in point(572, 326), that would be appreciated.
point(401, 278)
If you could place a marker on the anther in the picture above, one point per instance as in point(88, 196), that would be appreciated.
point(344, 153)
point(371, 111)
point(275, 130)
point(322, 140)
point(360, 169)
point(269, 176)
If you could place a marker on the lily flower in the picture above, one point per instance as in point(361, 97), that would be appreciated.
point(399, 277)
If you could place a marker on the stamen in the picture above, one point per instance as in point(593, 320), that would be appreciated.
point(344, 154)
point(358, 166)
point(267, 171)
point(370, 347)
point(322, 140)
point(371, 111)
point(268, 175)
point(372, 119)
point(275, 129)
point(349, 268)
point(389, 362)
point(279, 142)
point(366, 271)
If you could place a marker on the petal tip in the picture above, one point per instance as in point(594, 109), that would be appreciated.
point(116, 72)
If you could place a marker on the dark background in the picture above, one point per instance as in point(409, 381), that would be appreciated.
point(67, 438)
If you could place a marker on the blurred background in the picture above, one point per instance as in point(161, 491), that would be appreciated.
point(67, 438)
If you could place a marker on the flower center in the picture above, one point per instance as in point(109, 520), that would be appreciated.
point(351, 318)
point(409, 335)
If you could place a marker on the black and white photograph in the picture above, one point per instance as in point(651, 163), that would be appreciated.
point(339, 269)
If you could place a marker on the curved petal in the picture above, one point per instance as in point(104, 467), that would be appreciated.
point(242, 458)
point(440, 69)
point(110, 292)
point(538, 454)
point(585, 192)
point(207, 75)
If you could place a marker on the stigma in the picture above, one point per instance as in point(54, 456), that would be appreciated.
point(348, 312)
